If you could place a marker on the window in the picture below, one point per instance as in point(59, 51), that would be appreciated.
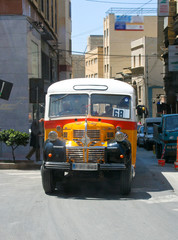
point(70, 15)
point(95, 60)
point(68, 105)
point(139, 60)
point(171, 123)
point(134, 61)
point(52, 14)
point(104, 51)
point(107, 51)
point(70, 46)
point(34, 59)
point(107, 32)
point(139, 92)
point(42, 5)
point(92, 62)
point(104, 33)
point(107, 67)
point(55, 16)
point(117, 106)
point(96, 75)
point(86, 63)
point(47, 6)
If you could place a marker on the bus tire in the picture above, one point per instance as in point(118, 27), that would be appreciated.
point(48, 180)
point(126, 180)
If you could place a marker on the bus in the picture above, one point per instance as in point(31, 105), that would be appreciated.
point(89, 127)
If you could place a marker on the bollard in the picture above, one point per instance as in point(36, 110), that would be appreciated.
point(154, 151)
point(162, 161)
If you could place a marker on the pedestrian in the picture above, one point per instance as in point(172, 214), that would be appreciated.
point(34, 141)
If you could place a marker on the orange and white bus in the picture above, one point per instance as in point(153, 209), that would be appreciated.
point(90, 126)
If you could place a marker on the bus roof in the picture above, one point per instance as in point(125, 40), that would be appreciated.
point(91, 84)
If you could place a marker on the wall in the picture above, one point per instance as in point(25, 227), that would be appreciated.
point(78, 66)
point(13, 7)
point(13, 68)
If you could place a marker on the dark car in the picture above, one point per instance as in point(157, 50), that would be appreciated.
point(140, 136)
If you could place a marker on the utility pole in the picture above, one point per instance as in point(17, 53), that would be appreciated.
point(146, 81)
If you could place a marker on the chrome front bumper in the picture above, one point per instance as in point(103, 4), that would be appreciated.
point(68, 166)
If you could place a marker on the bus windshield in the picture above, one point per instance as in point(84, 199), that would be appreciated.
point(107, 105)
point(103, 105)
point(68, 105)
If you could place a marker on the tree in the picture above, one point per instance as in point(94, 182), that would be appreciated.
point(14, 139)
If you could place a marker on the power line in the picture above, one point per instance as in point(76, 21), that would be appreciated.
point(104, 55)
point(125, 3)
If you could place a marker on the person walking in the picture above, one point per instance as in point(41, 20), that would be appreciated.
point(34, 141)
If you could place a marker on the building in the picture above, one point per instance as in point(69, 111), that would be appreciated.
point(147, 70)
point(94, 41)
point(64, 38)
point(78, 66)
point(94, 57)
point(30, 51)
point(116, 44)
point(169, 54)
point(94, 63)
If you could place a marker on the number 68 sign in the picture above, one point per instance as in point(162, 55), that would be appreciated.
point(121, 113)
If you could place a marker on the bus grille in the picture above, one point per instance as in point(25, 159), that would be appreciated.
point(77, 155)
point(91, 134)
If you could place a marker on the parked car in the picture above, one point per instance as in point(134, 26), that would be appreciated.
point(140, 136)
point(148, 131)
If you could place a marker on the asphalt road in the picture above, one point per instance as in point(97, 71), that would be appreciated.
point(91, 209)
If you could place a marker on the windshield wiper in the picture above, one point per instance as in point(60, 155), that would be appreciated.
point(60, 98)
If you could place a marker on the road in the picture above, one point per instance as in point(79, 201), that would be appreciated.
point(92, 210)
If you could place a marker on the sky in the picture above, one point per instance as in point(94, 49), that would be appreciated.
point(88, 16)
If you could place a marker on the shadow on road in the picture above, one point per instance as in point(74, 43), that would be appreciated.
point(148, 179)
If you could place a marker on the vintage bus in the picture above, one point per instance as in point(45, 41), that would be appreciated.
point(90, 126)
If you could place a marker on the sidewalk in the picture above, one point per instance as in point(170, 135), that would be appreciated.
point(20, 164)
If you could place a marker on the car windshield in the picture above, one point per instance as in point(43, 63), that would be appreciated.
point(68, 105)
point(141, 129)
point(171, 123)
point(117, 106)
point(150, 130)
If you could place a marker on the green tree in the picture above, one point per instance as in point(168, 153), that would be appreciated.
point(14, 139)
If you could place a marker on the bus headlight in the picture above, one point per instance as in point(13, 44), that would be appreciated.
point(119, 136)
point(52, 136)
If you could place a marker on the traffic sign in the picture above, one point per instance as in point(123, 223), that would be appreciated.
point(5, 89)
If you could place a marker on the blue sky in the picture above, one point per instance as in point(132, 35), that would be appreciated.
point(88, 15)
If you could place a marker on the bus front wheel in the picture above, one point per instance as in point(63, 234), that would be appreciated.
point(48, 180)
point(125, 180)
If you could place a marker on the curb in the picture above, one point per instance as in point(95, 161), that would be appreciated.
point(20, 166)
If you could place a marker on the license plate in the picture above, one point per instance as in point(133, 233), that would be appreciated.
point(85, 166)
